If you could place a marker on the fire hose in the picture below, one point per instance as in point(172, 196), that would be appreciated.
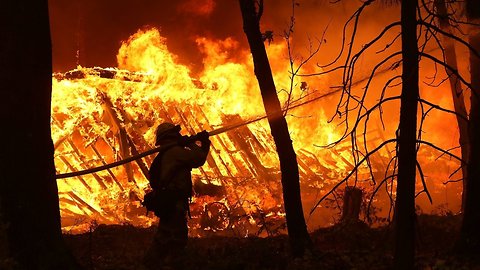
point(191, 138)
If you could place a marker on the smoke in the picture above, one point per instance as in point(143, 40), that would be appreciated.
point(200, 8)
point(89, 32)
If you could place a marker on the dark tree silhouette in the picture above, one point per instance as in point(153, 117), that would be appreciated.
point(407, 138)
point(297, 229)
point(405, 162)
point(28, 190)
point(455, 85)
point(418, 31)
point(470, 233)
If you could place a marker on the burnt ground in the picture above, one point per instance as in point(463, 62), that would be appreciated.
point(354, 246)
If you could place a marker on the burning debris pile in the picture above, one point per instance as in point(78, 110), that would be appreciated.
point(237, 191)
point(102, 115)
point(239, 178)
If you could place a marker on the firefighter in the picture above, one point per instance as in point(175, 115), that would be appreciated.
point(170, 177)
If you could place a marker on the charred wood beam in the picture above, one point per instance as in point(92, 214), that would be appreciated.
point(220, 141)
point(166, 114)
point(72, 202)
point(106, 73)
point(122, 133)
point(245, 149)
point(248, 136)
point(79, 155)
point(70, 166)
point(60, 141)
point(139, 162)
point(77, 198)
point(113, 73)
point(83, 162)
point(60, 126)
point(312, 159)
point(125, 153)
point(130, 135)
point(105, 163)
point(306, 168)
point(69, 213)
point(344, 160)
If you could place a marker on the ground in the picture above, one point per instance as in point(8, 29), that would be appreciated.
point(346, 246)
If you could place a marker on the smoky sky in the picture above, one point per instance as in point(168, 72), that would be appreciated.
point(89, 32)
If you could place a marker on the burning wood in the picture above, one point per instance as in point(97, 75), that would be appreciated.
point(238, 170)
point(109, 114)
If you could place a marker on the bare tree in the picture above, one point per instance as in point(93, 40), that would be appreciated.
point(450, 58)
point(28, 191)
point(416, 29)
point(470, 234)
point(297, 229)
point(407, 139)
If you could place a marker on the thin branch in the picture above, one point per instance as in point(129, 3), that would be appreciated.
point(351, 172)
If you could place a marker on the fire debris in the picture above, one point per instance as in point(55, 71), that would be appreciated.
point(238, 184)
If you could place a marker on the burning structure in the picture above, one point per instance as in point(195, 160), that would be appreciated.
point(101, 115)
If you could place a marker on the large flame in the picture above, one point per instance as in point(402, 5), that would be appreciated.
point(101, 115)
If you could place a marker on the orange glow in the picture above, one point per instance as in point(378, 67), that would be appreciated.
point(203, 7)
point(103, 115)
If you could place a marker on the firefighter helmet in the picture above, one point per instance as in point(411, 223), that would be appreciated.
point(165, 130)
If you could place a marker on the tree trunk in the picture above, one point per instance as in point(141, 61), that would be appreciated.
point(297, 229)
point(470, 233)
point(455, 86)
point(28, 189)
point(4, 254)
point(405, 202)
point(352, 202)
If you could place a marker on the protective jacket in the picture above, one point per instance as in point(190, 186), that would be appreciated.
point(171, 170)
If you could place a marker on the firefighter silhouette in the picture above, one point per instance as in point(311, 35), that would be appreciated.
point(170, 178)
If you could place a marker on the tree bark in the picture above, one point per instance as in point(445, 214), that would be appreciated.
point(352, 202)
point(405, 201)
point(297, 229)
point(28, 191)
point(470, 233)
point(455, 86)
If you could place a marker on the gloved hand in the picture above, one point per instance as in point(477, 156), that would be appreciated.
point(202, 136)
point(184, 140)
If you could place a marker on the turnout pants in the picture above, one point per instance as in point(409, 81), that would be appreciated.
point(171, 237)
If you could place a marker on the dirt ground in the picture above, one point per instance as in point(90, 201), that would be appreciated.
point(352, 246)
